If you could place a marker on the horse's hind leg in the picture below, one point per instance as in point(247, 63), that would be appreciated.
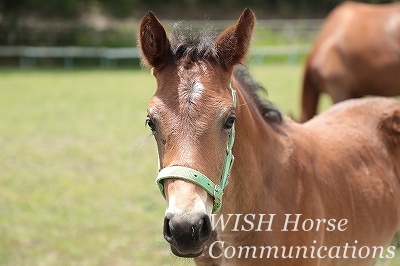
point(205, 259)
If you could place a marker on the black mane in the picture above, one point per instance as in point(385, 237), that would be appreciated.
point(268, 110)
point(191, 45)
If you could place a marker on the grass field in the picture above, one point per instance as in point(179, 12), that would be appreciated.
point(77, 166)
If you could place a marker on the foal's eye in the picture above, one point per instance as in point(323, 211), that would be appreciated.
point(229, 122)
point(150, 124)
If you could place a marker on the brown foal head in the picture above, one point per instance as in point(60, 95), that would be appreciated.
point(191, 116)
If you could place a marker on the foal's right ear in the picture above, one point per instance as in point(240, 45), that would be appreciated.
point(153, 41)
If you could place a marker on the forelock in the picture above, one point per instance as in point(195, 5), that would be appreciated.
point(193, 44)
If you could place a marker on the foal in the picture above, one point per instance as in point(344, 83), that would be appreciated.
point(323, 193)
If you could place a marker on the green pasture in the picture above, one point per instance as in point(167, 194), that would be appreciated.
point(77, 166)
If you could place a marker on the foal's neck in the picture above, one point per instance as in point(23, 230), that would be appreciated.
point(260, 152)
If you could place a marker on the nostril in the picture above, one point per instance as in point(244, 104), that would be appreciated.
point(204, 229)
point(167, 230)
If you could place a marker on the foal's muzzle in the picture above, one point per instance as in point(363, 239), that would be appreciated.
point(187, 234)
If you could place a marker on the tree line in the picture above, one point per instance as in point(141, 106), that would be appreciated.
point(67, 9)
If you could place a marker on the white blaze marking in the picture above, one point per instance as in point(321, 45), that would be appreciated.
point(197, 90)
point(186, 201)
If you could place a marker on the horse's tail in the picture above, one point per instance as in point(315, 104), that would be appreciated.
point(310, 94)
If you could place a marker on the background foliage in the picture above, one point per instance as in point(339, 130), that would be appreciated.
point(128, 8)
point(98, 22)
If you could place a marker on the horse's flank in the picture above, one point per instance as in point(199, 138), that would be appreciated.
point(353, 56)
point(342, 165)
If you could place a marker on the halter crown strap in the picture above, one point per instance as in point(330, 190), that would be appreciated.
point(191, 175)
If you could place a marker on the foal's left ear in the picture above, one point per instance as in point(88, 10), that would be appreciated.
point(153, 41)
point(233, 43)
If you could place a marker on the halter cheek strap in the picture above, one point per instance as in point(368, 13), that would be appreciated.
point(191, 175)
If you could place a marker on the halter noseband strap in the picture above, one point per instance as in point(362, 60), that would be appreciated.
point(191, 175)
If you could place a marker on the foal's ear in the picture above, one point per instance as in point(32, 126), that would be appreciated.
point(233, 43)
point(153, 41)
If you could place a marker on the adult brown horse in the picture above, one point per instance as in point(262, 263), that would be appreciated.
point(322, 193)
point(356, 53)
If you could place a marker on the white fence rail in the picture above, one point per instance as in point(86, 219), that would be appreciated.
point(28, 55)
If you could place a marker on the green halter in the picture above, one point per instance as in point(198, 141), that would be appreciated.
point(191, 175)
